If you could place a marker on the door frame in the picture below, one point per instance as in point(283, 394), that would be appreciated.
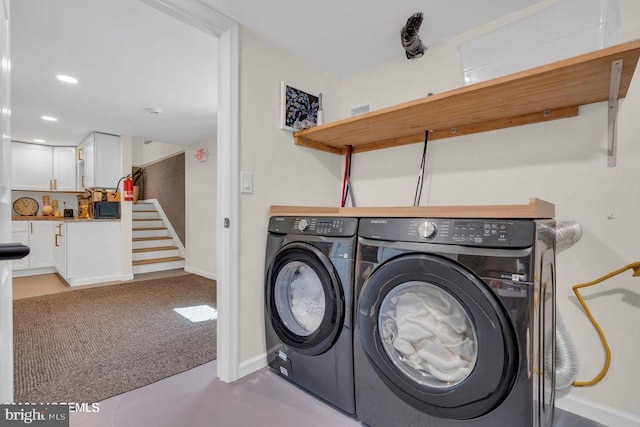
point(205, 18)
point(6, 291)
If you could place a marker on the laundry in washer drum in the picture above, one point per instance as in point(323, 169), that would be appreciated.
point(307, 298)
point(428, 334)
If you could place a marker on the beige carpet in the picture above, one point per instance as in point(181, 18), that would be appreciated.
point(91, 344)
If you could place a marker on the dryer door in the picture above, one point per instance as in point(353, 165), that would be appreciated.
point(304, 298)
point(437, 336)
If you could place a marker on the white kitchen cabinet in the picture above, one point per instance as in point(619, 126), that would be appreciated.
point(64, 169)
point(82, 252)
point(93, 252)
point(39, 236)
point(86, 163)
point(20, 234)
point(32, 167)
point(43, 168)
point(60, 248)
point(100, 164)
point(41, 242)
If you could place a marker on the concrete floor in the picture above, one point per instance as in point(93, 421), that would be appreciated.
point(196, 398)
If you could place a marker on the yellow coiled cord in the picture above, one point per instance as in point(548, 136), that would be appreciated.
point(636, 272)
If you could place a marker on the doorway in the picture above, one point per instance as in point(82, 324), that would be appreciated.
point(201, 17)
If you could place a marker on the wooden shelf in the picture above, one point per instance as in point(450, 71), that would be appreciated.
point(540, 94)
point(535, 209)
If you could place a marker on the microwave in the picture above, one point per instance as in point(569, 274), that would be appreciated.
point(106, 210)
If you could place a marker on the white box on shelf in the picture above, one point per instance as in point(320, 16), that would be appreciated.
point(563, 30)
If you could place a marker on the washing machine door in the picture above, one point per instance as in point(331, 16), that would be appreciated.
point(304, 298)
point(437, 336)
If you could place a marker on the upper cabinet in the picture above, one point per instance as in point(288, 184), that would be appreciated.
point(32, 167)
point(64, 169)
point(43, 168)
point(99, 161)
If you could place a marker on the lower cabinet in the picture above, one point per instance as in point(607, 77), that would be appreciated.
point(38, 235)
point(20, 234)
point(89, 252)
point(81, 252)
point(41, 244)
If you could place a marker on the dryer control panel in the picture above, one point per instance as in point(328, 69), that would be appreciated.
point(314, 226)
point(465, 232)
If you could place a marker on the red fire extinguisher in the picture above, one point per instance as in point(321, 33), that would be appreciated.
point(128, 188)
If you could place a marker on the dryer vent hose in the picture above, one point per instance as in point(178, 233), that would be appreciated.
point(567, 365)
point(567, 233)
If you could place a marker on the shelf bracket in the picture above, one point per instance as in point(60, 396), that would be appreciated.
point(612, 126)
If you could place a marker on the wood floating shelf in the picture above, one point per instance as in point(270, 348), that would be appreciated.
point(544, 93)
point(535, 209)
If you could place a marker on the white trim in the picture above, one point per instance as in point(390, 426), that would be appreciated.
point(99, 279)
point(598, 412)
point(228, 204)
point(34, 271)
point(251, 365)
point(195, 13)
point(177, 153)
point(199, 272)
point(204, 17)
point(167, 224)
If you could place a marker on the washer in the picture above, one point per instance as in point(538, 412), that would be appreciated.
point(308, 294)
point(455, 322)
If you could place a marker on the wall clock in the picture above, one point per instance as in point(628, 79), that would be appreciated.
point(26, 206)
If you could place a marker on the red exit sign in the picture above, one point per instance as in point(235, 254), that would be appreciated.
point(202, 154)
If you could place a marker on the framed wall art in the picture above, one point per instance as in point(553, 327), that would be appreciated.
point(298, 109)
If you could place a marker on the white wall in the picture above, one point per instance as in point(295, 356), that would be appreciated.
point(200, 210)
point(562, 161)
point(144, 154)
point(282, 172)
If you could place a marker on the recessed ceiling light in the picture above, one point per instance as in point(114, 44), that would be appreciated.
point(38, 140)
point(67, 79)
point(49, 118)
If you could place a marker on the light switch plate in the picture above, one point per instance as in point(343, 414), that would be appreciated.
point(246, 182)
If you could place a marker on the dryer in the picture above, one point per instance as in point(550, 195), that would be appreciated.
point(308, 314)
point(455, 322)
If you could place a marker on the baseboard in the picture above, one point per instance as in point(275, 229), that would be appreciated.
point(33, 272)
point(250, 366)
point(101, 279)
point(200, 273)
point(598, 412)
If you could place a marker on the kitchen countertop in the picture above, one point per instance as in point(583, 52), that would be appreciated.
point(60, 218)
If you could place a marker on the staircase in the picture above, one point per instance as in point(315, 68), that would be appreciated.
point(155, 245)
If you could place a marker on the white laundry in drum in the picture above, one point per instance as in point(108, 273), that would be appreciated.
point(307, 299)
point(430, 333)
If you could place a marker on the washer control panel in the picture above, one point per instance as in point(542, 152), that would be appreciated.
point(313, 226)
point(466, 232)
